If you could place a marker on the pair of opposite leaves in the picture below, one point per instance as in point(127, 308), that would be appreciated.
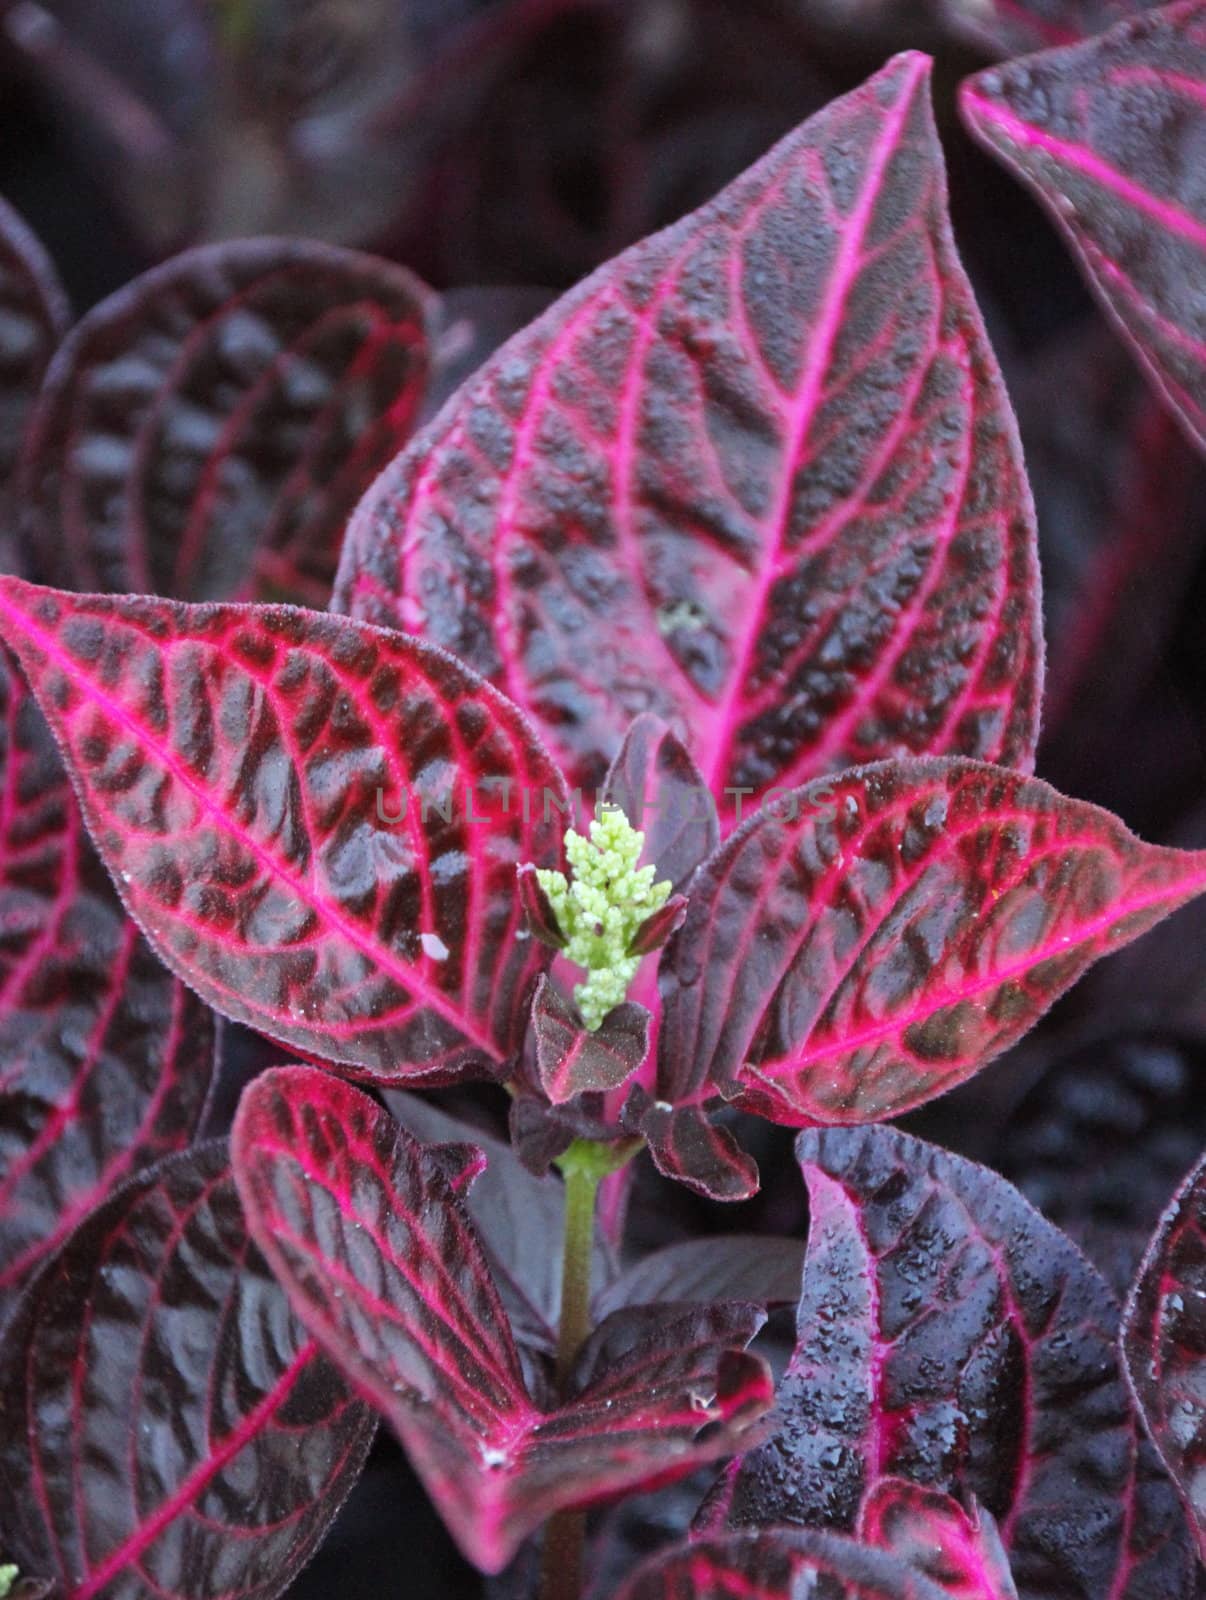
point(965, 1345)
point(759, 472)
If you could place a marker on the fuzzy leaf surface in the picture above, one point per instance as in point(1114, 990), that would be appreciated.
point(757, 475)
point(382, 1262)
point(951, 1336)
point(782, 1564)
point(960, 1550)
point(33, 318)
point(207, 431)
point(235, 764)
point(662, 792)
point(170, 1428)
point(1164, 1343)
point(879, 936)
point(105, 1058)
point(1109, 135)
point(570, 1059)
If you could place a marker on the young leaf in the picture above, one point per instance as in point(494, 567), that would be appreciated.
point(244, 771)
point(662, 792)
point(33, 318)
point(105, 1058)
point(169, 1427)
point(571, 1060)
point(960, 1550)
point(382, 1263)
point(688, 1148)
point(1164, 1344)
point(783, 1564)
point(950, 1336)
point(206, 432)
point(880, 937)
point(1108, 134)
point(761, 468)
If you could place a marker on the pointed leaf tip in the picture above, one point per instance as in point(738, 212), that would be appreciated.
point(803, 510)
point(306, 817)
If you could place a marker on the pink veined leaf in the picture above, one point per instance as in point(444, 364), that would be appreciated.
point(960, 1550)
point(1013, 27)
point(570, 1060)
point(1109, 134)
point(780, 1564)
point(758, 475)
point(686, 1146)
point(316, 823)
point(169, 1427)
point(949, 1335)
point(872, 940)
point(105, 1058)
point(1164, 1344)
point(33, 318)
point(382, 1263)
point(206, 432)
point(662, 792)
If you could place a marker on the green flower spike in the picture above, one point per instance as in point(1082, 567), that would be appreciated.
point(600, 909)
point(8, 1576)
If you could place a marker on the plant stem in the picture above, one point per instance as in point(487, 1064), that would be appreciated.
point(565, 1536)
point(581, 1190)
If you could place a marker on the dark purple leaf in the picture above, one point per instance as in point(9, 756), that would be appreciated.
point(656, 929)
point(960, 1550)
point(33, 318)
point(951, 1336)
point(1096, 1128)
point(661, 791)
point(758, 475)
point(243, 769)
point(727, 1267)
point(383, 1264)
point(781, 1564)
point(170, 1428)
point(539, 917)
point(1013, 27)
point(105, 1058)
point(571, 1060)
point(1109, 135)
point(207, 431)
point(1164, 1343)
point(686, 1146)
point(891, 930)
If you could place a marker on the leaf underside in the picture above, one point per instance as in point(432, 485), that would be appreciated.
point(382, 1263)
point(875, 939)
point(758, 475)
point(242, 770)
point(105, 1058)
point(951, 1336)
point(206, 432)
point(170, 1428)
point(1108, 134)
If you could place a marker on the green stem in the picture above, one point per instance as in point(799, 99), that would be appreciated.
point(581, 1190)
point(583, 1168)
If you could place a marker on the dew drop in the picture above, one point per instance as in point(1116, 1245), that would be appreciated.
point(434, 947)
